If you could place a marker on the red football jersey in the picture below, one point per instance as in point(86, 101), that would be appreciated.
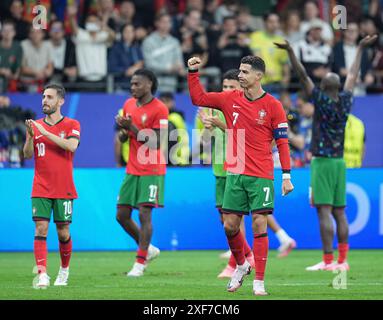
point(252, 126)
point(153, 115)
point(54, 165)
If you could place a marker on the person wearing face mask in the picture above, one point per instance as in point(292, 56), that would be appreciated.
point(91, 49)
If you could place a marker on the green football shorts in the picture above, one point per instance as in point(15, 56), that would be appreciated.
point(244, 194)
point(220, 183)
point(142, 190)
point(43, 207)
point(328, 182)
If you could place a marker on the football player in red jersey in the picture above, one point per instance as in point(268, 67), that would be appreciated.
point(52, 141)
point(144, 116)
point(254, 118)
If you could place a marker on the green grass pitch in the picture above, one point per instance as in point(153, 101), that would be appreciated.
point(189, 275)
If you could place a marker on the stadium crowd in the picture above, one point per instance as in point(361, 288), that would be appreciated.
point(96, 45)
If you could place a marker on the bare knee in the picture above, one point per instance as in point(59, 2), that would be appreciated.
point(231, 224)
point(259, 223)
point(63, 232)
point(145, 215)
point(41, 229)
point(123, 213)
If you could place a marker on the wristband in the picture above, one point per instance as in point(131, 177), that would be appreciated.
point(286, 176)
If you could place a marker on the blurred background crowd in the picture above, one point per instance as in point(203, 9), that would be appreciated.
point(96, 46)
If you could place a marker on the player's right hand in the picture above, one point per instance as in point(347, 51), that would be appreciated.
point(28, 125)
point(194, 63)
point(283, 46)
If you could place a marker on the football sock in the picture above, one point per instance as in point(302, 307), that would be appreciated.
point(40, 251)
point(232, 263)
point(282, 236)
point(236, 244)
point(141, 256)
point(246, 248)
point(260, 250)
point(65, 252)
point(328, 258)
point(343, 250)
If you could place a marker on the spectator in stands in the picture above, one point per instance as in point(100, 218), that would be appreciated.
point(311, 14)
point(226, 9)
point(291, 27)
point(178, 139)
point(344, 53)
point(108, 14)
point(354, 142)
point(368, 26)
point(91, 49)
point(163, 54)
point(192, 36)
point(64, 54)
point(10, 55)
point(314, 53)
point(245, 21)
point(262, 44)
point(12, 133)
point(125, 58)
point(303, 139)
point(22, 27)
point(128, 14)
point(232, 46)
point(37, 64)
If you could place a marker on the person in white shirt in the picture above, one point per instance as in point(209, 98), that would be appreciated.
point(91, 47)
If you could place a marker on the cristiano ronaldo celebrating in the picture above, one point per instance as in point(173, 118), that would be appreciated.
point(254, 118)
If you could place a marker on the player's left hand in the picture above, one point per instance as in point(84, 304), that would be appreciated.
point(287, 187)
point(123, 122)
point(40, 128)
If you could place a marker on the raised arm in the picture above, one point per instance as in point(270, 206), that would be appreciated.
point(352, 75)
point(198, 95)
point(304, 79)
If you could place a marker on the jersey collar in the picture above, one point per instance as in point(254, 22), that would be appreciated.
point(51, 125)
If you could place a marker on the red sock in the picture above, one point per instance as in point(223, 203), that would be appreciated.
point(236, 244)
point(141, 256)
point(343, 250)
point(328, 258)
point(232, 263)
point(247, 248)
point(260, 250)
point(65, 252)
point(41, 252)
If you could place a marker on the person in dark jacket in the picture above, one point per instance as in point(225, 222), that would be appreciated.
point(344, 53)
point(125, 57)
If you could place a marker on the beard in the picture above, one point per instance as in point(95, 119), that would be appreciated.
point(50, 110)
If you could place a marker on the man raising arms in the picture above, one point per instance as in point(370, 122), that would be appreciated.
point(53, 141)
point(328, 170)
point(254, 118)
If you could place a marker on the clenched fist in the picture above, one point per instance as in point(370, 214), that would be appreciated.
point(194, 63)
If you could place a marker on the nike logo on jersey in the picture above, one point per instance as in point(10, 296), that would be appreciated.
point(40, 260)
point(236, 107)
point(266, 204)
point(38, 137)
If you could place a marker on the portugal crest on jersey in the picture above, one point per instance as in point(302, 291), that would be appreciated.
point(262, 114)
point(143, 118)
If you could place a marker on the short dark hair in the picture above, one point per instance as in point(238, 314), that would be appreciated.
point(58, 87)
point(148, 74)
point(229, 17)
point(267, 15)
point(9, 22)
point(231, 74)
point(256, 62)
